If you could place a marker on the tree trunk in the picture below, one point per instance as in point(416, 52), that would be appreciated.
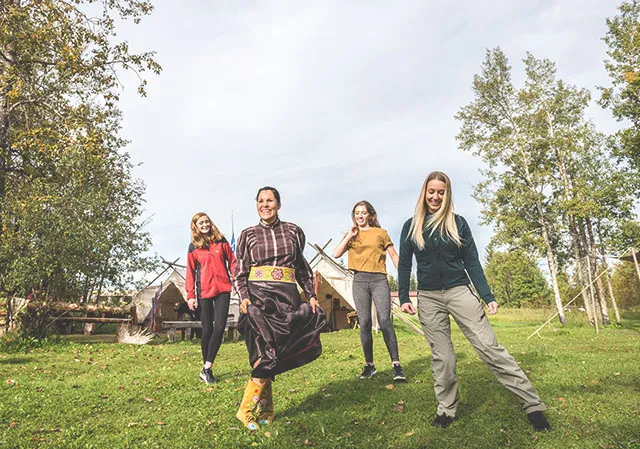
point(613, 298)
point(586, 274)
point(606, 274)
point(604, 309)
point(592, 295)
point(581, 268)
point(578, 250)
point(553, 270)
point(552, 263)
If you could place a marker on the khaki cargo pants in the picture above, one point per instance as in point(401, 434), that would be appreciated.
point(434, 308)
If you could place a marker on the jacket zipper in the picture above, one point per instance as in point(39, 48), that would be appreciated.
point(439, 266)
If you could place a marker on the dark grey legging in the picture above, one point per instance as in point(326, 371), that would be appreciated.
point(213, 324)
point(368, 286)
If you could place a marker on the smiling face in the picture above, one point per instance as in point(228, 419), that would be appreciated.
point(267, 206)
point(435, 195)
point(361, 216)
point(203, 224)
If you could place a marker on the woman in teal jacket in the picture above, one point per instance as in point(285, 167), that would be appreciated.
point(447, 263)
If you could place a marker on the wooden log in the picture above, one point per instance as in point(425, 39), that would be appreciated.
point(57, 307)
point(89, 319)
point(172, 334)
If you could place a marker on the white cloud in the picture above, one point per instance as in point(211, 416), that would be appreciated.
point(331, 102)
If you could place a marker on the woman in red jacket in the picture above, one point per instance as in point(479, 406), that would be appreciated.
point(209, 262)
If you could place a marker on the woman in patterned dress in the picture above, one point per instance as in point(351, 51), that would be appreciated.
point(281, 332)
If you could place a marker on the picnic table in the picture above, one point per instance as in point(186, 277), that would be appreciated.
point(185, 327)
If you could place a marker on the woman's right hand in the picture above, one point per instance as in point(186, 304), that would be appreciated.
point(192, 303)
point(407, 307)
point(353, 231)
point(244, 304)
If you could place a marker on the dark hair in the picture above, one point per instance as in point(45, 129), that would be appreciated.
point(276, 194)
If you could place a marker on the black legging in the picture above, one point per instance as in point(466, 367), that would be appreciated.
point(213, 331)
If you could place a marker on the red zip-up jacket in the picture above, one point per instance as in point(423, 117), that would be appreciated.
point(208, 270)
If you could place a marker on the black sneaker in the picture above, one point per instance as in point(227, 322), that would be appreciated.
point(207, 376)
point(398, 374)
point(368, 371)
point(442, 421)
point(539, 421)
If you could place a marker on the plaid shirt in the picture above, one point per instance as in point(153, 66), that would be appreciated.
point(280, 244)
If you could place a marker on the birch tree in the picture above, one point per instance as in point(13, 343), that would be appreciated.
point(508, 130)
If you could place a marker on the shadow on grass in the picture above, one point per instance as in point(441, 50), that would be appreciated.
point(382, 413)
point(14, 361)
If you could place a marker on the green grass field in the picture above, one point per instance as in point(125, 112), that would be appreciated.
point(91, 394)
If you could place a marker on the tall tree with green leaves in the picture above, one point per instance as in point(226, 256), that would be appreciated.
point(516, 280)
point(623, 65)
point(508, 130)
point(69, 206)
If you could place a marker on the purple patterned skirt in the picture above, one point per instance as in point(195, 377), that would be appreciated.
point(281, 332)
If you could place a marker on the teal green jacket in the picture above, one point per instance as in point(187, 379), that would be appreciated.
point(441, 264)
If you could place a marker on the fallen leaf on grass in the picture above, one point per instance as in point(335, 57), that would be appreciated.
point(408, 434)
point(389, 387)
point(161, 423)
point(104, 396)
point(267, 434)
point(616, 374)
point(292, 390)
point(132, 424)
point(148, 399)
point(11, 382)
point(12, 424)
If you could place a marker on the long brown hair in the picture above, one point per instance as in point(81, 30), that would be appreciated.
point(373, 216)
point(203, 241)
point(443, 220)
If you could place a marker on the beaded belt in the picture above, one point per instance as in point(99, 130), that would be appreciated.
point(273, 274)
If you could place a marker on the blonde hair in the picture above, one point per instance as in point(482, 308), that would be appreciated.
point(444, 219)
point(373, 216)
point(203, 241)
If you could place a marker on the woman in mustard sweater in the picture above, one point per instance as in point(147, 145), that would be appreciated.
point(368, 245)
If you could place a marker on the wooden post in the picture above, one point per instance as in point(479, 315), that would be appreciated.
point(635, 261)
point(172, 334)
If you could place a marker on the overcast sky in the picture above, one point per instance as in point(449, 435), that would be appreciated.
point(330, 102)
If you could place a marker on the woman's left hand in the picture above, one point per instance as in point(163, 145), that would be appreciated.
point(492, 307)
point(314, 303)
